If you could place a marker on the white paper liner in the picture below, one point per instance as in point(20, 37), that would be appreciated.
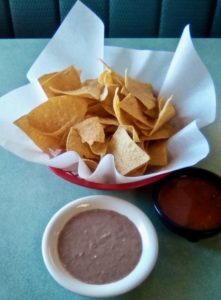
point(80, 41)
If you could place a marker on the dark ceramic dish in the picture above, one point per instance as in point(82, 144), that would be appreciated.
point(186, 231)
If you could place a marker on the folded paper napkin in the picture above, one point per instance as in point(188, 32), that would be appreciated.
point(80, 41)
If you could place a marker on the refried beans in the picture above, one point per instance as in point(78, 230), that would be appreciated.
point(99, 246)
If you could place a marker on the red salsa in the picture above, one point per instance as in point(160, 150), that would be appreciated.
point(192, 202)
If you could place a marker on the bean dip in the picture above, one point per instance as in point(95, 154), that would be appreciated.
point(99, 246)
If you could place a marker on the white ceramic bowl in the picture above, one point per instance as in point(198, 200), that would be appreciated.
point(138, 274)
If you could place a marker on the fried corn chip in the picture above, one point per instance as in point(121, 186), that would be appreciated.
point(114, 77)
point(74, 143)
point(51, 115)
point(161, 102)
point(105, 78)
point(91, 89)
point(68, 79)
point(97, 110)
point(151, 113)
point(108, 121)
point(92, 165)
point(157, 151)
point(46, 77)
point(164, 132)
point(124, 91)
point(110, 125)
point(166, 114)
point(104, 93)
point(63, 131)
point(120, 116)
point(99, 149)
point(142, 91)
point(131, 105)
point(139, 171)
point(91, 131)
point(107, 103)
point(127, 154)
point(132, 132)
point(44, 142)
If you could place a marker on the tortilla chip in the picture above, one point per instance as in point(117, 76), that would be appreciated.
point(127, 155)
point(105, 78)
point(164, 132)
point(107, 103)
point(161, 102)
point(142, 91)
point(121, 118)
point(97, 110)
point(44, 142)
point(116, 78)
point(74, 143)
point(124, 91)
point(92, 165)
point(132, 132)
point(108, 121)
point(51, 115)
point(109, 125)
point(151, 113)
point(46, 77)
point(139, 171)
point(104, 93)
point(91, 131)
point(131, 105)
point(99, 149)
point(109, 130)
point(92, 89)
point(166, 114)
point(68, 79)
point(157, 151)
point(63, 131)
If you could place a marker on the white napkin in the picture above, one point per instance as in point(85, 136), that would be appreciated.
point(80, 41)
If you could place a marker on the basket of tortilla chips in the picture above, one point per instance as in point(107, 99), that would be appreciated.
point(109, 117)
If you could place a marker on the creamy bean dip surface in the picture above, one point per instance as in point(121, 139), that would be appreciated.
point(99, 246)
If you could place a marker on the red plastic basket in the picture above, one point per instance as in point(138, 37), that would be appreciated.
point(104, 186)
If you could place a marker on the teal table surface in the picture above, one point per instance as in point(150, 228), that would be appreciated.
point(30, 194)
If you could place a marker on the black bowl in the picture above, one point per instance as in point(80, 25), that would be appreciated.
point(192, 234)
